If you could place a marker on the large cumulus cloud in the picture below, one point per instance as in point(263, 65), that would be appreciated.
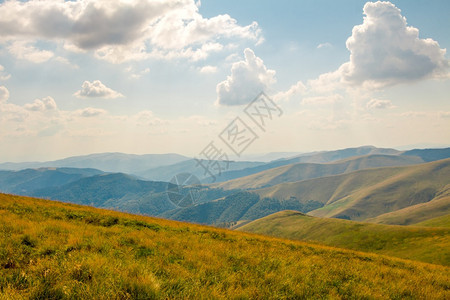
point(119, 30)
point(248, 78)
point(385, 51)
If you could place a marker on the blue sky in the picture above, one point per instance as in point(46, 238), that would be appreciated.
point(142, 76)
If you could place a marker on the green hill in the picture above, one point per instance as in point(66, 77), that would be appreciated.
point(114, 191)
point(418, 243)
point(365, 194)
point(302, 171)
point(53, 250)
point(443, 221)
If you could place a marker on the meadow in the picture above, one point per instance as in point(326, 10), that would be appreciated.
point(53, 250)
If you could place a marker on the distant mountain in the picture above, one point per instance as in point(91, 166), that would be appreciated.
point(25, 181)
point(314, 157)
point(302, 171)
point(270, 156)
point(418, 243)
point(108, 162)
point(365, 194)
point(166, 173)
point(429, 154)
point(116, 191)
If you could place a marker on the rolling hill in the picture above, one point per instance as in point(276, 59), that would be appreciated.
point(53, 250)
point(302, 171)
point(416, 213)
point(426, 244)
point(314, 157)
point(115, 191)
point(365, 194)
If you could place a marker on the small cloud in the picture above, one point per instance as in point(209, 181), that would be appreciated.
point(294, 90)
point(324, 45)
point(3, 75)
point(248, 78)
point(65, 61)
point(208, 69)
point(139, 74)
point(4, 94)
point(379, 104)
point(44, 104)
point(89, 112)
point(96, 89)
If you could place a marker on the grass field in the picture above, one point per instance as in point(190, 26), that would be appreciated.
point(52, 250)
point(427, 244)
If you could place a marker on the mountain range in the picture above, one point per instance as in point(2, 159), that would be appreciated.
point(370, 184)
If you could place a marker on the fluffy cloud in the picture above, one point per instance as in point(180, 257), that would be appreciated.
point(208, 69)
point(96, 89)
point(4, 94)
point(44, 104)
point(379, 104)
point(385, 51)
point(248, 78)
point(119, 30)
point(89, 112)
point(24, 50)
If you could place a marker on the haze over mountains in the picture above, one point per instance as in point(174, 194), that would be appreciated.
point(364, 184)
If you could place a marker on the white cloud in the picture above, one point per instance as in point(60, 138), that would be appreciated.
point(96, 89)
point(44, 104)
point(295, 89)
point(3, 75)
point(208, 69)
point(379, 104)
point(324, 45)
point(89, 112)
point(4, 94)
point(24, 50)
point(65, 61)
point(248, 78)
point(139, 74)
point(385, 51)
point(119, 30)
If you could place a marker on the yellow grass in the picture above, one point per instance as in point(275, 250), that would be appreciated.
point(51, 250)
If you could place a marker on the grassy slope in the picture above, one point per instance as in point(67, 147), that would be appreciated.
point(302, 171)
point(61, 251)
point(442, 221)
point(369, 193)
point(416, 213)
point(418, 243)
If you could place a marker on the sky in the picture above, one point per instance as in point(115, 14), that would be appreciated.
point(179, 76)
